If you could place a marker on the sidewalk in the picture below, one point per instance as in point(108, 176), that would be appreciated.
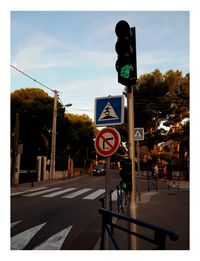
point(168, 209)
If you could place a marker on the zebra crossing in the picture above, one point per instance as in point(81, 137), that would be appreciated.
point(21, 240)
point(66, 193)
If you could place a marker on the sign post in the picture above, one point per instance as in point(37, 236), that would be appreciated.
point(139, 135)
point(106, 144)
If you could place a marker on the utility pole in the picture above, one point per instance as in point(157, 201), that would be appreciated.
point(15, 149)
point(53, 138)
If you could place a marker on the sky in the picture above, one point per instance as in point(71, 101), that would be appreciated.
point(74, 51)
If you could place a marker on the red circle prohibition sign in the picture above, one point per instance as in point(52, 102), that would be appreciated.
point(107, 141)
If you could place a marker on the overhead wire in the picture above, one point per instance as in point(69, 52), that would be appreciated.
point(31, 78)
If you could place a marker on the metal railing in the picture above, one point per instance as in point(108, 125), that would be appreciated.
point(159, 238)
point(152, 182)
point(122, 200)
point(173, 182)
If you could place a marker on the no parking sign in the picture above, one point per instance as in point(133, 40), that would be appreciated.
point(107, 141)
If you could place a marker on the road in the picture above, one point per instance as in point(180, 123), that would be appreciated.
point(59, 216)
point(64, 215)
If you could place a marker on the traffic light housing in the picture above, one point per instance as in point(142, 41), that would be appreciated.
point(125, 47)
point(126, 175)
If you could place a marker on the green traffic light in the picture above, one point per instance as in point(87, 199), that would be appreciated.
point(123, 185)
point(125, 71)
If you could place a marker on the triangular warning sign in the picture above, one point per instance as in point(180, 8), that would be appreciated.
point(108, 113)
point(138, 135)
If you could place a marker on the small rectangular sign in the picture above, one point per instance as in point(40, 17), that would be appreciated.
point(138, 133)
point(109, 110)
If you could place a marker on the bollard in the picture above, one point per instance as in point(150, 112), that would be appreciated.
point(32, 178)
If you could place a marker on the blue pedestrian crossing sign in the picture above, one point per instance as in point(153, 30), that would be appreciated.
point(109, 111)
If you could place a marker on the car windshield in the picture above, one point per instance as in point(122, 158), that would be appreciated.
point(99, 167)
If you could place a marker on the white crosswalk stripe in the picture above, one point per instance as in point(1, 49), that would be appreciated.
point(54, 194)
point(114, 195)
point(95, 194)
point(46, 192)
point(15, 223)
point(30, 190)
point(77, 193)
point(40, 192)
point(55, 242)
point(19, 241)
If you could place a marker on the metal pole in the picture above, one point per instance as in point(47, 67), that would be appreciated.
point(138, 163)
point(133, 204)
point(53, 138)
point(107, 188)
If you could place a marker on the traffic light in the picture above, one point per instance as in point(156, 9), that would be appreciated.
point(126, 175)
point(126, 49)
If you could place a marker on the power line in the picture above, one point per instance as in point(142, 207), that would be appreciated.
point(31, 78)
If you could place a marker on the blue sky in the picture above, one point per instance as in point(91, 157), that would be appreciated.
point(74, 51)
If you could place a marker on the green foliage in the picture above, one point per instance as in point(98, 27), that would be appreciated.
point(160, 98)
point(75, 133)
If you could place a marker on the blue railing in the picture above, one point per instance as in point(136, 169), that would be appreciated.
point(122, 199)
point(159, 238)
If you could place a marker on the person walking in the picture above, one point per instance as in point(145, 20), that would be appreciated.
point(156, 169)
point(165, 173)
point(169, 170)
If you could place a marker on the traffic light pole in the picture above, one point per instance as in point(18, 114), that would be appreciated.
point(132, 208)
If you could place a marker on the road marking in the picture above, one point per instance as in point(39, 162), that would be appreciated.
point(26, 191)
point(15, 223)
point(55, 242)
point(77, 193)
point(58, 193)
point(41, 192)
point(95, 194)
point(114, 195)
point(19, 241)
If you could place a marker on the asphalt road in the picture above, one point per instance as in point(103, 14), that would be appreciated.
point(59, 216)
point(64, 215)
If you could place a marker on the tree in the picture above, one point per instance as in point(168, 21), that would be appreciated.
point(82, 136)
point(35, 107)
point(160, 98)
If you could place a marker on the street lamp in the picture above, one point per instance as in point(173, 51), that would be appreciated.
point(53, 136)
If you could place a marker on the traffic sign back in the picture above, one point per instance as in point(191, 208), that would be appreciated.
point(139, 133)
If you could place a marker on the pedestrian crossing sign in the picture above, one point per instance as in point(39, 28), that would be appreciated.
point(139, 133)
point(109, 111)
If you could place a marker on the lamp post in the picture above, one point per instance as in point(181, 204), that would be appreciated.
point(53, 136)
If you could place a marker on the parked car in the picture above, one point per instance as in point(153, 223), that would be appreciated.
point(99, 170)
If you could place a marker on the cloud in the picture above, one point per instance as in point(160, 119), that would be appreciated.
point(47, 52)
point(162, 59)
point(99, 59)
point(82, 93)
